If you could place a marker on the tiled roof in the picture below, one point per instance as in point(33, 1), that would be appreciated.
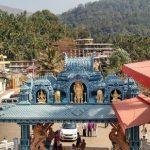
point(140, 71)
point(21, 113)
point(133, 112)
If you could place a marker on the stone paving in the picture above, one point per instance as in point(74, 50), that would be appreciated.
point(101, 140)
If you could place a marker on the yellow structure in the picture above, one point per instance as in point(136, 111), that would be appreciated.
point(3, 62)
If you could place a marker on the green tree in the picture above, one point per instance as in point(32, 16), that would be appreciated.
point(118, 59)
point(50, 60)
point(82, 32)
point(24, 37)
point(111, 17)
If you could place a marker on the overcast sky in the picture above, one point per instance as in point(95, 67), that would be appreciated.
point(55, 6)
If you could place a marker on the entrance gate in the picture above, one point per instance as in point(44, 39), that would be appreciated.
point(78, 94)
point(27, 114)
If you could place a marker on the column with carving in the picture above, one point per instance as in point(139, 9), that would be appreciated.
point(25, 137)
point(134, 139)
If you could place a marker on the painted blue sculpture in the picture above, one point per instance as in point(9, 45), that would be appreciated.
point(78, 83)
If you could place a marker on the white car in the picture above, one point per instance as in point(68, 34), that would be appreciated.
point(68, 131)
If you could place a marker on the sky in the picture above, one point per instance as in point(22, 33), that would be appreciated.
point(55, 6)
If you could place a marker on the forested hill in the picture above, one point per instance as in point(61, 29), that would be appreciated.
point(14, 11)
point(109, 17)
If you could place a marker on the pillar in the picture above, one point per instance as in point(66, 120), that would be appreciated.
point(133, 137)
point(25, 137)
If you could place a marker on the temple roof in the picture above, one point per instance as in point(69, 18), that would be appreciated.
point(39, 113)
point(24, 87)
point(113, 79)
point(79, 63)
point(81, 66)
point(42, 82)
point(139, 71)
point(137, 108)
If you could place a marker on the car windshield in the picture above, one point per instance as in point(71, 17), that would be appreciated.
point(69, 126)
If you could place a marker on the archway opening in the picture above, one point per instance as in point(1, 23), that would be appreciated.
point(115, 95)
point(41, 96)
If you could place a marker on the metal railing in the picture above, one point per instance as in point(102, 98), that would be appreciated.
point(7, 145)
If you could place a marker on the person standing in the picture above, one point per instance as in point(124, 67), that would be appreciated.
point(56, 140)
point(78, 142)
point(73, 146)
point(60, 147)
point(83, 145)
point(144, 132)
point(94, 128)
point(143, 143)
point(89, 126)
point(84, 127)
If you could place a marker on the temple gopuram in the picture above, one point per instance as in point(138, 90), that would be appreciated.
point(80, 93)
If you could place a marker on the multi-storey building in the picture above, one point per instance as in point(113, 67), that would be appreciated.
point(19, 65)
point(86, 47)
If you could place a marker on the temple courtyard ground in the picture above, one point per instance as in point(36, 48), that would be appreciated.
point(99, 142)
point(11, 130)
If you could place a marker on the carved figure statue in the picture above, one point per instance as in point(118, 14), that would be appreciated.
point(78, 91)
point(115, 96)
point(96, 65)
point(99, 96)
point(41, 133)
point(118, 138)
point(41, 97)
point(57, 96)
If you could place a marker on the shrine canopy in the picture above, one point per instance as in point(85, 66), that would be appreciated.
point(140, 72)
point(132, 112)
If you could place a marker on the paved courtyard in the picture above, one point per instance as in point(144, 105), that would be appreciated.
point(101, 140)
point(11, 130)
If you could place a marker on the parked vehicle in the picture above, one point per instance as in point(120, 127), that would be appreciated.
point(14, 95)
point(9, 100)
point(68, 131)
